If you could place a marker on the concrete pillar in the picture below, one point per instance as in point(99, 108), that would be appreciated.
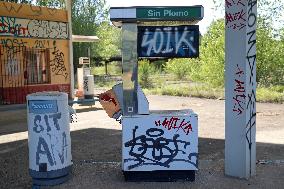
point(68, 4)
point(240, 106)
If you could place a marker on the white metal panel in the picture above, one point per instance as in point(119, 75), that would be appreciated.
point(160, 142)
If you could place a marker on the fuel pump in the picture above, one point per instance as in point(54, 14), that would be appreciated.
point(156, 146)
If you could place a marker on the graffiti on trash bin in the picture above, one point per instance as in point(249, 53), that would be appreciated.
point(53, 147)
point(155, 149)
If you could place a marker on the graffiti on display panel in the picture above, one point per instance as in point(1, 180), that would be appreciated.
point(18, 27)
point(176, 41)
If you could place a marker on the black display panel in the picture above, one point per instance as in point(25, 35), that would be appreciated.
point(168, 41)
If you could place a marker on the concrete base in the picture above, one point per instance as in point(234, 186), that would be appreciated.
point(50, 182)
point(50, 178)
point(159, 176)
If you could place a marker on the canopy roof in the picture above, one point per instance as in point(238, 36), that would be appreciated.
point(82, 38)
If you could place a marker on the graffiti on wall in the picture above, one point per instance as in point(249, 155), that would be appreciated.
point(57, 63)
point(239, 99)
point(13, 8)
point(41, 44)
point(236, 19)
point(19, 27)
point(16, 54)
point(12, 67)
point(251, 61)
point(32, 10)
point(155, 149)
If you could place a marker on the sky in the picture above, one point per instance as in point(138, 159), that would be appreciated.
point(207, 4)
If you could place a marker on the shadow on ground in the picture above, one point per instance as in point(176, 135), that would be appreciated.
point(15, 121)
point(97, 156)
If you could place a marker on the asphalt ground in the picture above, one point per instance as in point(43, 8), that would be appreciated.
point(96, 148)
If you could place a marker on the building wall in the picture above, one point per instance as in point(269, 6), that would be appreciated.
point(34, 50)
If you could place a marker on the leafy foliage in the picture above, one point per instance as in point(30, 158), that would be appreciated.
point(270, 57)
point(209, 68)
point(179, 67)
point(212, 54)
point(109, 44)
point(145, 70)
point(90, 17)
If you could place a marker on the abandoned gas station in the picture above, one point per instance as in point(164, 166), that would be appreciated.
point(156, 146)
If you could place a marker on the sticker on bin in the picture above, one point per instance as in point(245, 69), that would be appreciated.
point(43, 106)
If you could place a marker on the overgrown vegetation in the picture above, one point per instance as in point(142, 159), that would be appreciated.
point(201, 77)
point(145, 70)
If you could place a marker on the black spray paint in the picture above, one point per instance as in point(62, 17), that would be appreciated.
point(163, 151)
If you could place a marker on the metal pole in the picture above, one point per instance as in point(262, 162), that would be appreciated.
point(240, 110)
point(130, 69)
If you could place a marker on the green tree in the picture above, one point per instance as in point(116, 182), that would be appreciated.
point(86, 18)
point(145, 71)
point(270, 57)
point(212, 55)
point(109, 44)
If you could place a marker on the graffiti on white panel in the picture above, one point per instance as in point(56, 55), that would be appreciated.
point(19, 27)
point(48, 29)
point(153, 148)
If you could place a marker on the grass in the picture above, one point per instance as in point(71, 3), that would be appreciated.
point(270, 94)
point(164, 84)
point(105, 84)
point(185, 89)
point(112, 69)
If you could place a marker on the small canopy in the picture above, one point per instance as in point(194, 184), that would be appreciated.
point(82, 38)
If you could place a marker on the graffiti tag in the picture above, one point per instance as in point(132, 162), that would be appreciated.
point(174, 123)
point(154, 149)
point(236, 16)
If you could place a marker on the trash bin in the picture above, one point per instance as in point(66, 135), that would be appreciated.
point(50, 159)
point(89, 86)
